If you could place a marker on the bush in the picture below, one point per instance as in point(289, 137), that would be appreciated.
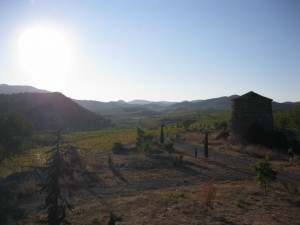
point(15, 135)
point(186, 123)
point(118, 148)
point(144, 142)
point(114, 218)
point(222, 135)
point(96, 221)
point(110, 162)
point(287, 128)
point(169, 147)
point(264, 173)
point(177, 161)
point(239, 201)
point(209, 195)
point(291, 188)
point(221, 126)
point(176, 194)
point(26, 189)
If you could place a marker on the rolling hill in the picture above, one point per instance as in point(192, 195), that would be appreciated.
point(138, 109)
point(49, 111)
point(221, 103)
point(146, 102)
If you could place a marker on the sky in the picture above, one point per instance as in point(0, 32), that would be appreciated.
point(158, 50)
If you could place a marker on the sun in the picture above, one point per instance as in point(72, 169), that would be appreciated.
point(45, 54)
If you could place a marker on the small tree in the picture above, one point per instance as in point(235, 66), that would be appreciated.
point(140, 137)
point(144, 142)
point(162, 135)
point(15, 135)
point(206, 145)
point(264, 173)
point(148, 143)
point(187, 123)
point(64, 163)
point(169, 146)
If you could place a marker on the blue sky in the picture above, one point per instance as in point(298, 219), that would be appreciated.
point(171, 50)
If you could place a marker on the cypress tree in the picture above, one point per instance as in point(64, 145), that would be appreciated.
point(64, 162)
point(162, 135)
point(206, 145)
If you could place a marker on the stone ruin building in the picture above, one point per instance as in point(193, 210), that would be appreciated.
point(248, 110)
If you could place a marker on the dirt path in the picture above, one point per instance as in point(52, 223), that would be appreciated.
point(235, 163)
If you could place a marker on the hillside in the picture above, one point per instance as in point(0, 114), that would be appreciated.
point(48, 111)
point(146, 102)
point(221, 103)
point(121, 111)
point(13, 89)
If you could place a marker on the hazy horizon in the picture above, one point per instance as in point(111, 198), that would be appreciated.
point(149, 100)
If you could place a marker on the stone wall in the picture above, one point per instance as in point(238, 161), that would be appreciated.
point(248, 110)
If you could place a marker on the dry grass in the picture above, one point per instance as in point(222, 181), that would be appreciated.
point(183, 205)
point(157, 193)
point(192, 136)
point(209, 195)
point(26, 189)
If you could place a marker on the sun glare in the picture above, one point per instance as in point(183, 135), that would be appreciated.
point(45, 53)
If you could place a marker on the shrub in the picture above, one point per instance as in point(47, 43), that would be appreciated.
point(176, 194)
point(221, 126)
point(293, 189)
point(209, 195)
point(114, 218)
point(169, 147)
point(118, 148)
point(26, 189)
point(177, 161)
point(144, 142)
point(239, 201)
point(186, 123)
point(110, 162)
point(15, 135)
point(222, 135)
point(96, 221)
point(265, 173)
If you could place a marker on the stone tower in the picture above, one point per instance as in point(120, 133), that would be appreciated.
point(248, 110)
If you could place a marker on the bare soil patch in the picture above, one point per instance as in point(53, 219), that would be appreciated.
point(148, 189)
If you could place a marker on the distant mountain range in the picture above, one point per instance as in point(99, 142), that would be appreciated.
point(221, 103)
point(134, 110)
